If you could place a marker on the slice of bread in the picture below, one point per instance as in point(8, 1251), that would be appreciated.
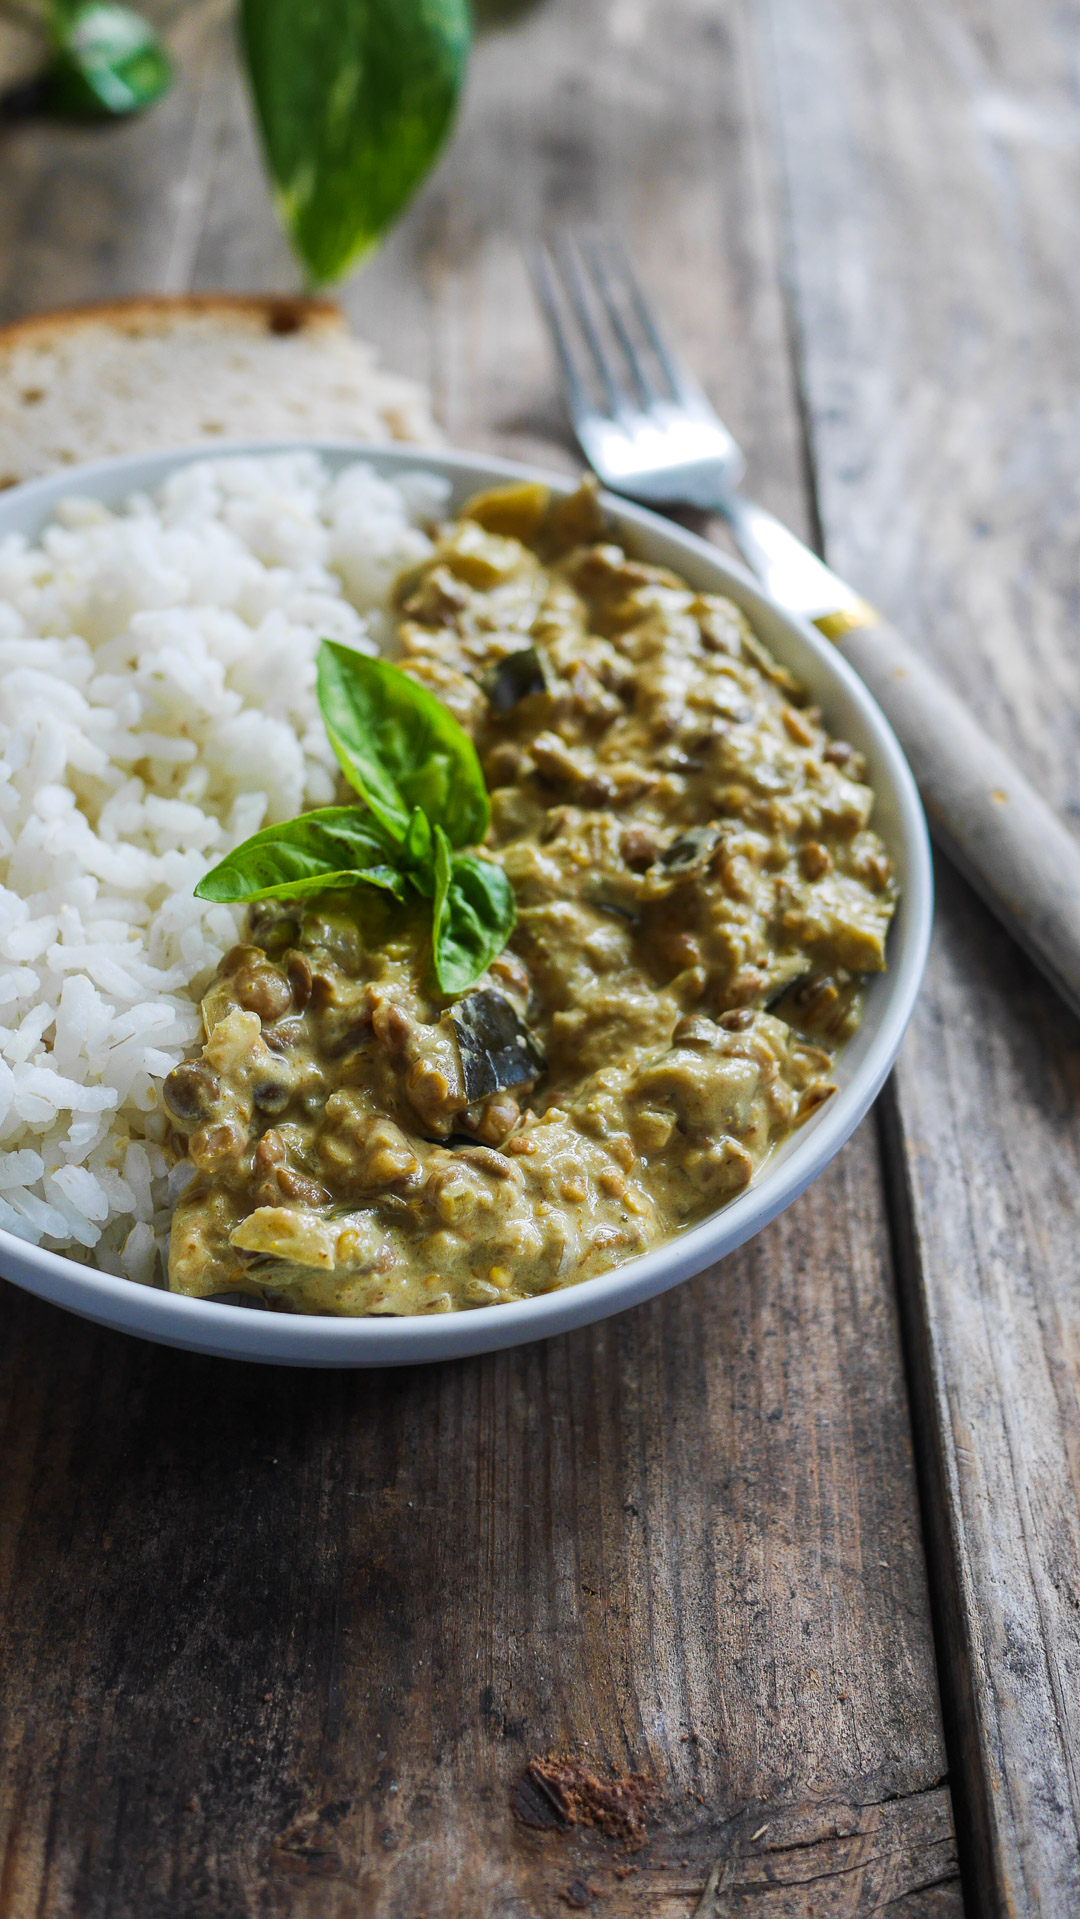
point(89, 382)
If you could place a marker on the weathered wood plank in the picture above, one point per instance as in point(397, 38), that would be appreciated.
point(940, 152)
point(280, 1644)
point(277, 1642)
point(86, 211)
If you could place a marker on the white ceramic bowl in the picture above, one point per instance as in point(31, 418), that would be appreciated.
point(294, 1340)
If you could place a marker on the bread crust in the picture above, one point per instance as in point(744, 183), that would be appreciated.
point(131, 375)
point(143, 313)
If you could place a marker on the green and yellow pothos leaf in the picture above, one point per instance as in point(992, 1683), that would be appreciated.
point(354, 98)
point(107, 61)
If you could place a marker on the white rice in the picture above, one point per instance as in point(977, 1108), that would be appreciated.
point(157, 706)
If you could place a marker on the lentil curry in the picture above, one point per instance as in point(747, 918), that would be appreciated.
point(698, 893)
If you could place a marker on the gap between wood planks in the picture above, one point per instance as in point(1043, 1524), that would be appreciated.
point(951, 1648)
point(925, 181)
point(946, 1611)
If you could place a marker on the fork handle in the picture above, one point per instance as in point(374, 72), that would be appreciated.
point(986, 816)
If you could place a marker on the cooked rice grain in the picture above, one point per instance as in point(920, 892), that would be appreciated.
point(157, 705)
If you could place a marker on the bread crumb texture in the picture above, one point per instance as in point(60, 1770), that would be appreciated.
point(93, 382)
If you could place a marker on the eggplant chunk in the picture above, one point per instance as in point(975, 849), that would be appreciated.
point(497, 1049)
point(517, 675)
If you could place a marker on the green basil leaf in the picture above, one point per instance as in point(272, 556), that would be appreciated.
point(418, 854)
point(400, 747)
point(328, 850)
point(354, 99)
point(107, 61)
point(473, 918)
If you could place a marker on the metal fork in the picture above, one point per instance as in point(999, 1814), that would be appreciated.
point(648, 430)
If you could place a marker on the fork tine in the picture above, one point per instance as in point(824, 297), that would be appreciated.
point(568, 264)
point(592, 250)
point(543, 278)
point(683, 386)
point(656, 437)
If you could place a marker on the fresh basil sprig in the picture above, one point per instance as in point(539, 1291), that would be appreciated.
point(473, 916)
point(400, 747)
point(319, 852)
point(418, 773)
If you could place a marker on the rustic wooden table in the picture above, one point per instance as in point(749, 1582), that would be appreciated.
point(282, 1644)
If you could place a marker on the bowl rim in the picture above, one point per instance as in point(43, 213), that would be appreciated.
point(256, 1333)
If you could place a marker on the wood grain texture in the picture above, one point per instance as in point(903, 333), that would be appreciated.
point(91, 211)
point(939, 148)
point(279, 1644)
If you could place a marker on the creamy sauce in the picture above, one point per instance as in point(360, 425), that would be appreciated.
point(698, 892)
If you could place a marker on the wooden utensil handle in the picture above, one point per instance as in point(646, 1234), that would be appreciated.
point(985, 815)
